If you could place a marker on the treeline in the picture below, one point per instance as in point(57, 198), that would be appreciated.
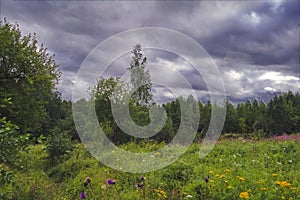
point(280, 115)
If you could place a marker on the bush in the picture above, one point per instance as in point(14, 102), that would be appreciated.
point(59, 146)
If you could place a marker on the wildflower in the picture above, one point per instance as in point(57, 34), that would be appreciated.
point(139, 185)
point(143, 178)
point(244, 195)
point(189, 196)
point(85, 184)
point(82, 195)
point(88, 179)
point(274, 174)
point(206, 180)
point(278, 182)
point(226, 181)
point(229, 187)
point(263, 189)
point(111, 182)
point(211, 172)
point(242, 179)
point(284, 184)
point(227, 170)
point(161, 193)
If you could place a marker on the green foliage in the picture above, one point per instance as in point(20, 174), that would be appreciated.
point(28, 75)
point(140, 78)
point(59, 145)
point(59, 115)
point(103, 95)
point(283, 111)
point(10, 141)
point(231, 122)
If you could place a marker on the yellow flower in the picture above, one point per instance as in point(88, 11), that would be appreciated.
point(278, 182)
point(161, 193)
point(282, 197)
point(290, 198)
point(217, 175)
point(263, 189)
point(211, 172)
point(284, 184)
point(244, 195)
point(229, 187)
point(227, 170)
point(225, 181)
point(274, 174)
point(242, 179)
point(221, 176)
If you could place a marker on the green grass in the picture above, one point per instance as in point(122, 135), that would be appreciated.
point(263, 169)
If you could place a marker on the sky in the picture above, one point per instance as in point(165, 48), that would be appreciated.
point(254, 44)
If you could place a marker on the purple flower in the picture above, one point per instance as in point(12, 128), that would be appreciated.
point(111, 182)
point(206, 179)
point(82, 195)
point(88, 179)
point(139, 185)
point(143, 178)
point(85, 184)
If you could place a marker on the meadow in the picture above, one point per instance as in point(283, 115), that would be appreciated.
point(235, 169)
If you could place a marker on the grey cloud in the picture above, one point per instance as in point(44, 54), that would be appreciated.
point(247, 37)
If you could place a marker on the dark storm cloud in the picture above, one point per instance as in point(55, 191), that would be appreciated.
point(266, 36)
point(247, 39)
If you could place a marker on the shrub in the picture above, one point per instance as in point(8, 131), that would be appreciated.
point(58, 146)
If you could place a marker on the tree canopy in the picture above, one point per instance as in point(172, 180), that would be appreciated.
point(28, 77)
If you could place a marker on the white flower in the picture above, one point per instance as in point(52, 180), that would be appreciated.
point(189, 196)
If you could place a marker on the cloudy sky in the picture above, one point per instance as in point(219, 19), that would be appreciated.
point(254, 44)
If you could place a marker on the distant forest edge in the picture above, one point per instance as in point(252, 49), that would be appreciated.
point(31, 106)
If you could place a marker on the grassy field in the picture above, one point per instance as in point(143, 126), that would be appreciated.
point(235, 169)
